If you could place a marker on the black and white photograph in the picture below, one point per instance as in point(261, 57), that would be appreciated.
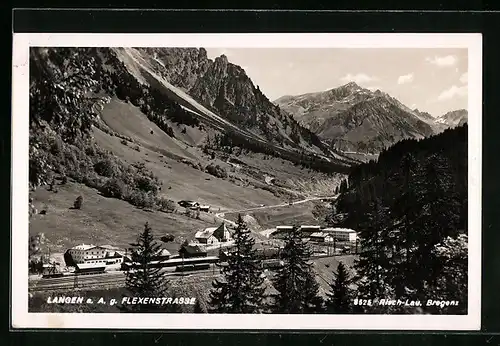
point(322, 181)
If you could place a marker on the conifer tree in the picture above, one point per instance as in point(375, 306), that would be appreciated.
point(371, 273)
point(340, 296)
point(241, 290)
point(142, 279)
point(295, 281)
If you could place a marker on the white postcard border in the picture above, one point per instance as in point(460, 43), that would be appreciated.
point(21, 318)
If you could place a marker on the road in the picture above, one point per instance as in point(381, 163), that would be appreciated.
point(268, 231)
point(309, 199)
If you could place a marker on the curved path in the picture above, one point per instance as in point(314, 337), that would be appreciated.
point(266, 232)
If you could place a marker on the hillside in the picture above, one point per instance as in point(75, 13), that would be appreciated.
point(105, 126)
point(354, 119)
point(225, 88)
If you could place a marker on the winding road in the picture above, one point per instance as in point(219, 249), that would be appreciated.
point(268, 231)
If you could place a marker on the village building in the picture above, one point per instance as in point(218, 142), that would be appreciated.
point(321, 237)
point(161, 255)
point(280, 229)
point(204, 208)
point(342, 234)
point(213, 235)
point(310, 229)
point(192, 250)
point(94, 254)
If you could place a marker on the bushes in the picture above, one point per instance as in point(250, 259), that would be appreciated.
point(85, 162)
point(216, 171)
point(147, 184)
point(141, 199)
point(165, 205)
point(106, 168)
point(113, 188)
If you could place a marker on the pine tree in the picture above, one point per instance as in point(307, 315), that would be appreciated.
point(142, 279)
point(241, 290)
point(295, 281)
point(371, 267)
point(340, 297)
point(451, 280)
point(405, 229)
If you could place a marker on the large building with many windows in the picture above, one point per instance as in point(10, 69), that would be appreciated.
point(94, 254)
point(341, 234)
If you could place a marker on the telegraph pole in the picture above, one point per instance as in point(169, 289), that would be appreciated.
point(76, 284)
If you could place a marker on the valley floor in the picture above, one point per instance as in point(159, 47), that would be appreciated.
point(107, 221)
point(266, 191)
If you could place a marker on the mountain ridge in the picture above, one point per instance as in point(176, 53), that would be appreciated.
point(353, 118)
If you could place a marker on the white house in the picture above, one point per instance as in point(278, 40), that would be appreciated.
point(321, 237)
point(283, 228)
point(94, 254)
point(213, 235)
point(342, 234)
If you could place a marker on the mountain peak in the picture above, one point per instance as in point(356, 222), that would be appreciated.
point(351, 85)
point(222, 58)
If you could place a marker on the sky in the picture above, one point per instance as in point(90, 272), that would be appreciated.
point(430, 79)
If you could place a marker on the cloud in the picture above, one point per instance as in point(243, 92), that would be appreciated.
point(453, 91)
point(442, 61)
point(464, 78)
point(359, 78)
point(290, 65)
point(407, 78)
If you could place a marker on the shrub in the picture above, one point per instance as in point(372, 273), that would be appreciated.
point(216, 171)
point(165, 205)
point(106, 168)
point(124, 142)
point(92, 180)
point(147, 184)
point(64, 180)
point(140, 199)
point(113, 188)
point(78, 202)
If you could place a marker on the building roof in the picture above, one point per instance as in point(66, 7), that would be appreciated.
point(284, 227)
point(308, 226)
point(334, 229)
point(212, 231)
point(109, 247)
point(221, 231)
point(90, 265)
point(193, 249)
point(83, 247)
point(114, 255)
point(206, 233)
point(164, 253)
point(319, 235)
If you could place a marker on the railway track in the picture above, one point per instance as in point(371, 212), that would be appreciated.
point(106, 281)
